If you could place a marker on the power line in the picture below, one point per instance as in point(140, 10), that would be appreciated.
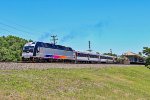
point(24, 31)
point(22, 26)
point(14, 28)
point(16, 24)
point(5, 29)
point(18, 29)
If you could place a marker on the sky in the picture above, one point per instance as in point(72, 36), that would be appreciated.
point(120, 25)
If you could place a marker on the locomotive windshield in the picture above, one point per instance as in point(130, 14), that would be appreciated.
point(28, 49)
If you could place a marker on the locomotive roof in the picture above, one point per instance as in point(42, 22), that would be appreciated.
point(54, 44)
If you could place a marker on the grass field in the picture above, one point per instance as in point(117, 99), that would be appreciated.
point(112, 83)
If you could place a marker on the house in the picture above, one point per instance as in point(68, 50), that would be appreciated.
point(133, 58)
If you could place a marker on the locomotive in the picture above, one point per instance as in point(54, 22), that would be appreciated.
point(40, 51)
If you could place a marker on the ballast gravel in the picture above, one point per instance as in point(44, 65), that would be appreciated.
point(23, 66)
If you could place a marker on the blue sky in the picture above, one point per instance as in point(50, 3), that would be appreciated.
point(120, 25)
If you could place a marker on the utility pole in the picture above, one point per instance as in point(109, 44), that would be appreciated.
point(89, 46)
point(111, 52)
point(54, 39)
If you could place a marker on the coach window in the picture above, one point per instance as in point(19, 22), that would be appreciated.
point(102, 57)
point(84, 55)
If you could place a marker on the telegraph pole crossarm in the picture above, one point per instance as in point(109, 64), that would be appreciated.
point(54, 39)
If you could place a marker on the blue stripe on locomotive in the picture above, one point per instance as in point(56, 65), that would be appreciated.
point(50, 56)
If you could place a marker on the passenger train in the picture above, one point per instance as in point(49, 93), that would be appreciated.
point(40, 51)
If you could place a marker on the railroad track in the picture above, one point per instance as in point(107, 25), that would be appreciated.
point(22, 66)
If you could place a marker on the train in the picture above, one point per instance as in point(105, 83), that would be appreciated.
point(48, 52)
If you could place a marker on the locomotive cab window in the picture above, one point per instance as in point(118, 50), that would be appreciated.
point(28, 49)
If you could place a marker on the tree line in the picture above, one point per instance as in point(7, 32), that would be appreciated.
point(11, 48)
point(146, 51)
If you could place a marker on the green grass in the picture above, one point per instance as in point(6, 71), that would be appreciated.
point(113, 83)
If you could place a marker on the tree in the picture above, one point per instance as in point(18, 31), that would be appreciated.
point(140, 53)
point(146, 51)
point(11, 48)
point(30, 40)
